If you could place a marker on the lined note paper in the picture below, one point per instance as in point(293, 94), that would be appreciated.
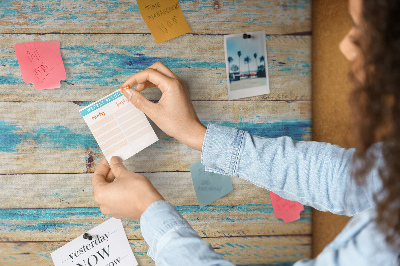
point(118, 126)
point(41, 64)
point(164, 18)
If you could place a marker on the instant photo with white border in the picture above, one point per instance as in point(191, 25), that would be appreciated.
point(246, 64)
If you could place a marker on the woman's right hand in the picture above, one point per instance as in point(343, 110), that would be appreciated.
point(174, 113)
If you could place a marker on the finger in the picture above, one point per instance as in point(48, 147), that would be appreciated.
point(143, 86)
point(118, 169)
point(160, 67)
point(140, 102)
point(110, 177)
point(100, 174)
point(149, 75)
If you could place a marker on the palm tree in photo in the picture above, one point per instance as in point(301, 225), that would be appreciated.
point(239, 55)
point(262, 59)
point(230, 60)
point(255, 58)
point(261, 73)
point(247, 60)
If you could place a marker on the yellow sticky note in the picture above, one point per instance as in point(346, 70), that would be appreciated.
point(164, 18)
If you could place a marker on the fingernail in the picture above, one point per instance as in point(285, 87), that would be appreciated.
point(128, 94)
point(115, 160)
point(124, 88)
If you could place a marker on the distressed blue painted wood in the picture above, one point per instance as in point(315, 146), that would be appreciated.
point(46, 203)
point(111, 16)
point(239, 250)
point(98, 64)
point(64, 224)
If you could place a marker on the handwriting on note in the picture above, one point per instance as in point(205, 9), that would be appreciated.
point(41, 64)
point(164, 18)
point(209, 186)
point(284, 209)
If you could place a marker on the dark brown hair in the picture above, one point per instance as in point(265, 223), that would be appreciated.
point(375, 101)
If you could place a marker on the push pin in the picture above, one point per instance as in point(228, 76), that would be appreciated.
point(87, 236)
point(246, 36)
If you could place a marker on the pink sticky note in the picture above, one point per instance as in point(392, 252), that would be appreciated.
point(41, 64)
point(284, 209)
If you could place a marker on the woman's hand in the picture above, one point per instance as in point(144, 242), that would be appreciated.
point(174, 113)
point(126, 197)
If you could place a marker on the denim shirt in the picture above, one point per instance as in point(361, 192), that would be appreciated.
point(312, 173)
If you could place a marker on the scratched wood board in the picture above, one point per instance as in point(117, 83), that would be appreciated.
point(88, 59)
point(240, 250)
point(46, 203)
point(64, 205)
point(111, 16)
point(45, 133)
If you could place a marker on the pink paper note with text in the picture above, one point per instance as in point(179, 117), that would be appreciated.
point(41, 64)
point(284, 209)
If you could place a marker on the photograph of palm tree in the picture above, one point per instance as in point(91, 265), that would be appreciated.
point(246, 64)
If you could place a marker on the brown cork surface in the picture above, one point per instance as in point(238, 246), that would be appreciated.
point(331, 88)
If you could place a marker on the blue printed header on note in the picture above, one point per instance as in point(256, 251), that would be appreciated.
point(100, 103)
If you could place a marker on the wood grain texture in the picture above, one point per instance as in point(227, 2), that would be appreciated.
point(37, 136)
point(59, 224)
point(48, 153)
point(239, 250)
point(96, 65)
point(114, 16)
point(65, 207)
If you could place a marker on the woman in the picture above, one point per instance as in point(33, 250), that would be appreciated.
point(362, 182)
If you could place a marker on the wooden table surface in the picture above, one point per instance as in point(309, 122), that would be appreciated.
point(48, 153)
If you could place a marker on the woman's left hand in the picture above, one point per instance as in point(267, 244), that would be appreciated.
point(126, 197)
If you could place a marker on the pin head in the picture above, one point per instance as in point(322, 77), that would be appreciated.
point(246, 36)
point(87, 236)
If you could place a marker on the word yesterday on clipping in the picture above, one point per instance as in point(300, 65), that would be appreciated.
point(108, 247)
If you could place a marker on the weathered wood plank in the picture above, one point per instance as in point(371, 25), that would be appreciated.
point(52, 137)
point(75, 190)
point(65, 207)
point(203, 17)
point(96, 65)
point(59, 224)
point(261, 250)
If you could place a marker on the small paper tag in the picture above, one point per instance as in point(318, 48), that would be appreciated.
point(109, 246)
point(209, 186)
point(41, 63)
point(164, 18)
point(284, 209)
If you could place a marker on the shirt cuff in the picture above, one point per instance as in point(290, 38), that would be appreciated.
point(157, 220)
point(222, 148)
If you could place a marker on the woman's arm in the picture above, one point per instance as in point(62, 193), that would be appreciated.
point(315, 174)
point(172, 241)
point(312, 173)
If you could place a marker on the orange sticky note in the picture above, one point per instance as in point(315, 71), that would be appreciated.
point(284, 209)
point(164, 18)
point(41, 64)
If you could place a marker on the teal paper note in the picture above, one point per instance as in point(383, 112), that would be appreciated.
point(209, 186)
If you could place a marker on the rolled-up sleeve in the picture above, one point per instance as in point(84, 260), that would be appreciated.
point(316, 174)
point(172, 241)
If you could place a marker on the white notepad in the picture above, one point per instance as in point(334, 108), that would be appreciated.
point(118, 126)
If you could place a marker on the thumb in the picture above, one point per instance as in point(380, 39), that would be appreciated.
point(117, 167)
point(138, 100)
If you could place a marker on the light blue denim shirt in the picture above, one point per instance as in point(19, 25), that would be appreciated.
point(312, 173)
